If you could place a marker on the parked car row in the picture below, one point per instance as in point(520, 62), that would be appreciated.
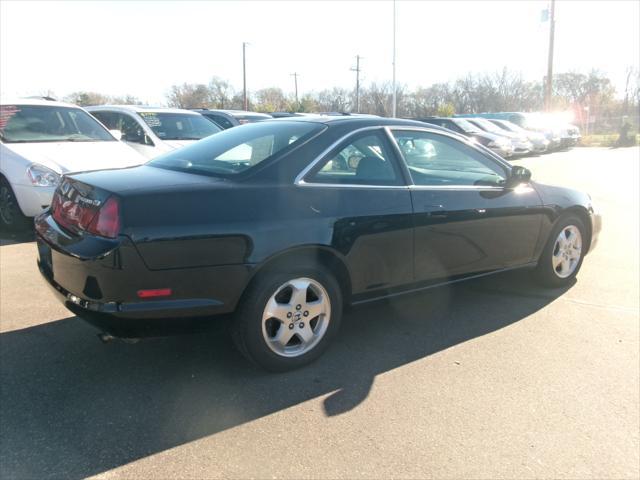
point(556, 130)
point(512, 134)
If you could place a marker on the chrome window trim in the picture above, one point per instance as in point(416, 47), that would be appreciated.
point(456, 187)
point(300, 182)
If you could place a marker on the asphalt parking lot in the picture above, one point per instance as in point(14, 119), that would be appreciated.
point(495, 378)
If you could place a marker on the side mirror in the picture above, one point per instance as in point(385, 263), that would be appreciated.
point(116, 133)
point(518, 175)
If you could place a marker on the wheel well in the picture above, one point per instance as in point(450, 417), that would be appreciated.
point(583, 215)
point(310, 256)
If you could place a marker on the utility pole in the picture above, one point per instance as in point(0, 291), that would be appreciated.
point(393, 114)
point(549, 84)
point(244, 77)
point(295, 79)
point(357, 70)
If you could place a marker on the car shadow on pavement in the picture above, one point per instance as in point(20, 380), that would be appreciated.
point(72, 407)
point(10, 238)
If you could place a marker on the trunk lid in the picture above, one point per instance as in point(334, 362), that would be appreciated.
point(131, 181)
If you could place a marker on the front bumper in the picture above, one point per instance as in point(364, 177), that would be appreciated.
point(33, 200)
point(567, 142)
point(98, 281)
point(596, 228)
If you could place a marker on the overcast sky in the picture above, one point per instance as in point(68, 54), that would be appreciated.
point(142, 48)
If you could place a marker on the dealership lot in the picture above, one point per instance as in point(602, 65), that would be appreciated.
point(495, 378)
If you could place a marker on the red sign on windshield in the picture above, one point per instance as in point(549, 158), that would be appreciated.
point(6, 112)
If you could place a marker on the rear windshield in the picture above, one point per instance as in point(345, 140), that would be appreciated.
point(179, 126)
point(42, 123)
point(235, 150)
point(242, 119)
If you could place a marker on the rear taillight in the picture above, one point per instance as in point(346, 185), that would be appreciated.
point(107, 222)
point(104, 222)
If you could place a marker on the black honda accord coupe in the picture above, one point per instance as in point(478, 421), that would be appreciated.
point(284, 222)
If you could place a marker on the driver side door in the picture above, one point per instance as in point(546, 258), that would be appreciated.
point(465, 219)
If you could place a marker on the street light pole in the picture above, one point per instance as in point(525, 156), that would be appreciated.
point(244, 77)
point(295, 79)
point(357, 70)
point(393, 114)
point(549, 84)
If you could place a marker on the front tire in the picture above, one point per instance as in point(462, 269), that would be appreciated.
point(562, 256)
point(287, 319)
point(11, 217)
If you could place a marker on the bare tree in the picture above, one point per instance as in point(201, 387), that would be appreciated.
point(333, 100)
point(85, 99)
point(220, 93)
point(272, 99)
point(189, 95)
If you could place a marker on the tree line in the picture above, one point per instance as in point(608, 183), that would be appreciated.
point(473, 93)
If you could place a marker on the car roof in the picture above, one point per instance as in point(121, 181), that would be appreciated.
point(359, 121)
point(138, 109)
point(234, 113)
point(36, 101)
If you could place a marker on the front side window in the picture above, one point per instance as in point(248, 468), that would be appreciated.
point(129, 127)
point(438, 160)
point(362, 160)
point(179, 126)
point(238, 149)
point(219, 120)
point(42, 123)
point(131, 130)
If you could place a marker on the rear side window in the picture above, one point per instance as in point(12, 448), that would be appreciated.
point(238, 149)
point(361, 160)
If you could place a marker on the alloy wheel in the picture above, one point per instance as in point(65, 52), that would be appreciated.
point(567, 251)
point(296, 317)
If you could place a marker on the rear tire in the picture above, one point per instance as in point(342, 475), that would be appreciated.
point(287, 319)
point(563, 253)
point(11, 217)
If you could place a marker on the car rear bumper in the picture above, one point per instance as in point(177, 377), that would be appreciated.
point(99, 283)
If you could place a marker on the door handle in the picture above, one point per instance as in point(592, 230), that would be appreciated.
point(438, 213)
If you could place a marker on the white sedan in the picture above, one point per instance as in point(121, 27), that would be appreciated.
point(40, 140)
